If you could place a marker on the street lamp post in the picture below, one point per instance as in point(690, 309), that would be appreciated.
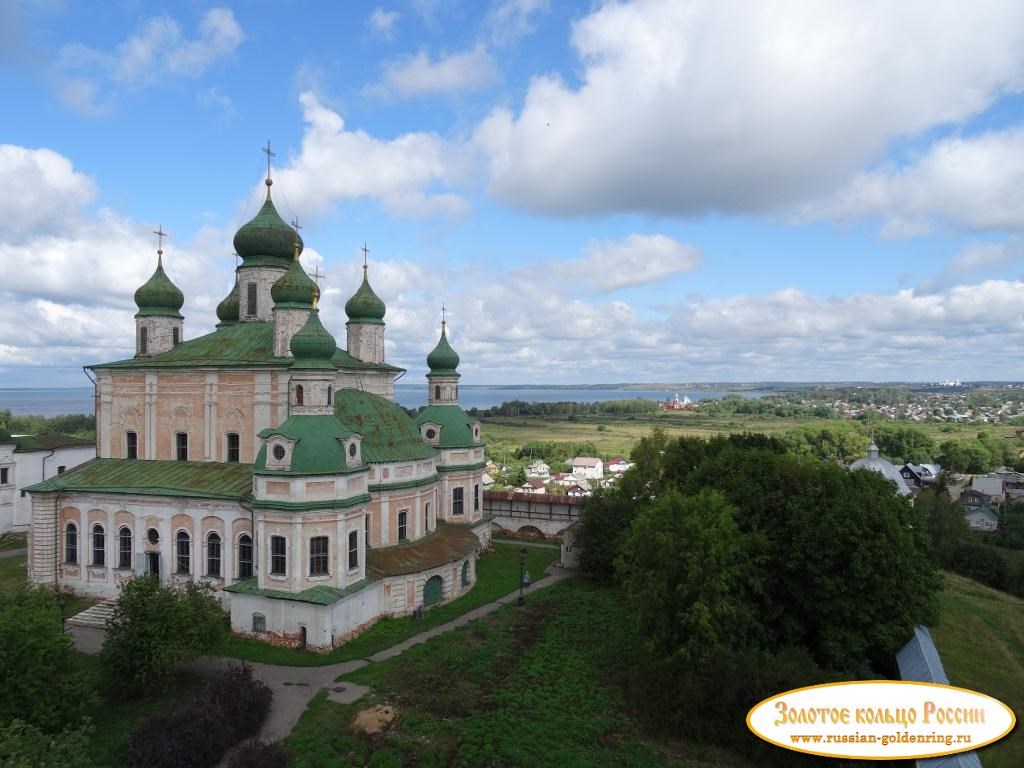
point(62, 602)
point(522, 565)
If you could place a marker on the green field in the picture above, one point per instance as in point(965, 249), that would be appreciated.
point(980, 636)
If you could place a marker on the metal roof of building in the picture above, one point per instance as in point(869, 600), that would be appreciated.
point(29, 443)
point(318, 595)
point(193, 479)
point(389, 434)
point(448, 543)
point(456, 425)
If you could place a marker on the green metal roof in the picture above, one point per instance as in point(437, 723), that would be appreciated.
point(28, 443)
point(227, 310)
point(313, 346)
point(238, 345)
point(365, 306)
point(193, 479)
point(294, 287)
point(443, 360)
point(456, 425)
point(158, 295)
point(388, 432)
point(318, 595)
point(446, 544)
point(266, 240)
point(318, 449)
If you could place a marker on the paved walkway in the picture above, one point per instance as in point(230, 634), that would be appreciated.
point(294, 687)
point(13, 553)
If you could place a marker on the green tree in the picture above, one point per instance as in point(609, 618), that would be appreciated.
point(22, 745)
point(40, 679)
point(840, 441)
point(685, 571)
point(905, 443)
point(947, 526)
point(605, 520)
point(153, 627)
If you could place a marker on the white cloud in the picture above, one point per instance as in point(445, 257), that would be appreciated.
point(41, 189)
point(382, 23)
point(420, 75)
point(336, 164)
point(635, 260)
point(734, 106)
point(975, 182)
point(156, 52)
point(511, 19)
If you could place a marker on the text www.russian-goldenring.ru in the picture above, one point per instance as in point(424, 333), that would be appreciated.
point(884, 740)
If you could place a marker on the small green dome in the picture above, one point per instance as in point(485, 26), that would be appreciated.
point(443, 360)
point(313, 346)
point(294, 287)
point(365, 306)
point(266, 240)
point(227, 310)
point(158, 295)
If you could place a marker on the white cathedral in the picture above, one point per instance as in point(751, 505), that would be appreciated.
point(267, 461)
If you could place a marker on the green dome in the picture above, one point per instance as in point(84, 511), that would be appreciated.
point(159, 296)
point(456, 425)
point(365, 306)
point(266, 240)
point(294, 287)
point(389, 434)
point(227, 310)
point(318, 448)
point(443, 360)
point(313, 346)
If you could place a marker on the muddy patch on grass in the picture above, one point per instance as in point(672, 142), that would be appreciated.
point(374, 719)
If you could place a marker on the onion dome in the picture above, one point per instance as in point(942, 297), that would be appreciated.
point(443, 360)
point(294, 287)
point(158, 295)
point(365, 306)
point(266, 240)
point(227, 310)
point(313, 346)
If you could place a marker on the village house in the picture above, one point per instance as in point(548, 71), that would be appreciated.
point(618, 465)
point(29, 459)
point(585, 466)
point(919, 475)
point(538, 469)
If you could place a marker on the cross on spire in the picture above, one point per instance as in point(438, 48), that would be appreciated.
point(160, 235)
point(270, 154)
point(317, 275)
point(444, 314)
point(365, 251)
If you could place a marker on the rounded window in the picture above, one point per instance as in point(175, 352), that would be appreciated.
point(352, 450)
point(279, 452)
point(431, 434)
point(153, 536)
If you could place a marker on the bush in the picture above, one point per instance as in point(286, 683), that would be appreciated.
point(22, 745)
point(258, 754)
point(981, 563)
point(229, 709)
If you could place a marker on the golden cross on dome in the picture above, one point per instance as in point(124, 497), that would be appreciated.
point(160, 235)
point(365, 251)
point(270, 154)
point(444, 314)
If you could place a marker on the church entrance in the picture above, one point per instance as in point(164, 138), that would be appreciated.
point(153, 564)
point(432, 591)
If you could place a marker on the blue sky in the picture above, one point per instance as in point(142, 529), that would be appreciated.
point(599, 192)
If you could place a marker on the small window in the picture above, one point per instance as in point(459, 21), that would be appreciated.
point(61, 469)
point(352, 450)
point(437, 393)
point(426, 518)
point(234, 450)
point(353, 550)
point(431, 434)
point(279, 452)
point(259, 623)
point(124, 548)
point(318, 556)
point(366, 525)
point(244, 556)
point(299, 394)
point(71, 544)
point(476, 497)
point(457, 494)
point(99, 545)
point(143, 340)
point(330, 394)
point(5, 473)
point(213, 555)
point(278, 556)
point(175, 336)
point(153, 536)
point(184, 552)
point(131, 440)
point(403, 525)
point(465, 573)
point(181, 445)
point(250, 308)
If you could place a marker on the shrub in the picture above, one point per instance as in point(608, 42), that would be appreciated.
point(258, 754)
point(23, 745)
point(230, 708)
point(981, 563)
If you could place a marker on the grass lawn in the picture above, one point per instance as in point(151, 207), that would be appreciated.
point(520, 687)
point(13, 577)
point(981, 639)
point(9, 541)
point(497, 575)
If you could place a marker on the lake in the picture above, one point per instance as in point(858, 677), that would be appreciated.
point(56, 402)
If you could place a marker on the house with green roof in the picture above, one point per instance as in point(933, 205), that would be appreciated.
point(29, 459)
point(267, 461)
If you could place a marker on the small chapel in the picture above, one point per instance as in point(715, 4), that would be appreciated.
point(270, 463)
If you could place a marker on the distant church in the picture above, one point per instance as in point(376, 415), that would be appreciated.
point(267, 461)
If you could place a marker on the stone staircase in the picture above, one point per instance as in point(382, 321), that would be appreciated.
point(97, 616)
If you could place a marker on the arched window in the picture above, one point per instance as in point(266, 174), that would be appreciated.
point(403, 520)
point(143, 340)
point(131, 445)
point(476, 497)
point(465, 573)
point(299, 394)
point(353, 550)
point(244, 556)
point(99, 545)
point(234, 447)
point(71, 544)
point(437, 392)
point(175, 336)
point(184, 546)
point(213, 555)
point(124, 547)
